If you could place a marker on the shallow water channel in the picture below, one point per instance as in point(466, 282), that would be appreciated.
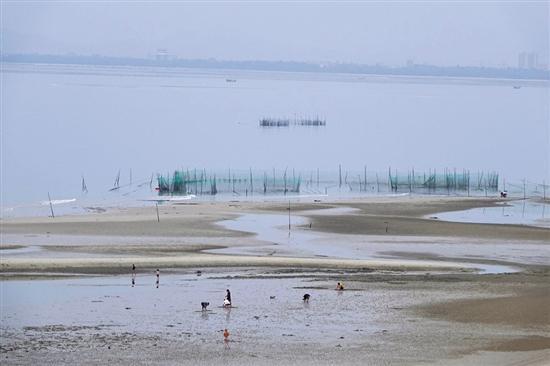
point(280, 241)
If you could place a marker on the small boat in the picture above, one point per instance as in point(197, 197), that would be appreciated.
point(231, 80)
point(517, 86)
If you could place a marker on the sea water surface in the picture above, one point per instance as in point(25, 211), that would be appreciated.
point(524, 212)
point(64, 122)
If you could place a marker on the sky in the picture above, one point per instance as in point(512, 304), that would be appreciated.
point(477, 33)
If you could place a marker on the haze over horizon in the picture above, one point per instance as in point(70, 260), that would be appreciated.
point(62, 122)
point(446, 34)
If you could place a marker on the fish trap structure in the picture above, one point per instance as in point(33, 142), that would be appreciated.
point(199, 182)
point(287, 122)
point(340, 181)
point(448, 180)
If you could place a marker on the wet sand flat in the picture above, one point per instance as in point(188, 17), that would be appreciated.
point(379, 319)
point(400, 307)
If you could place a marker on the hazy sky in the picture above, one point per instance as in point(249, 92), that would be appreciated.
point(443, 32)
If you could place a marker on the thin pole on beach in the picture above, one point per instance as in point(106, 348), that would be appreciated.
point(51, 206)
point(158, 216)
point(544, 190)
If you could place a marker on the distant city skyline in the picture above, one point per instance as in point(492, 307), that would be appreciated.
point(525, 60)
point(527, 67)
point(490, 34)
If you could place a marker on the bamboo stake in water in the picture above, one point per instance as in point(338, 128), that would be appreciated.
point(288, 217)
point(284, 178)
point(317, 178)
point(413, 183)
point(158, 216)
point(84, 187)
point(365, 178)
point(468, 183)
point(51, 206)
point(251, 183)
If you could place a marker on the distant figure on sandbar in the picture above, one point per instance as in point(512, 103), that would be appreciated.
point(306, 298)
point(158, 277)
point(340, 286)
point(133, 275)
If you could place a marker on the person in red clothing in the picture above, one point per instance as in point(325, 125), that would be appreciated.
point(226, 338)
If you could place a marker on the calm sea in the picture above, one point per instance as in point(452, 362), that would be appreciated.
point(60, 123)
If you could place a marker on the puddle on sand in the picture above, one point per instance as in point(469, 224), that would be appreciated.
point(523, 212)
point(175, 307)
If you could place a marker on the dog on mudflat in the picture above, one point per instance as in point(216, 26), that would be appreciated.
point(204, 305)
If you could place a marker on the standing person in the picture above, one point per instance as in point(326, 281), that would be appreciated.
point(158, 277)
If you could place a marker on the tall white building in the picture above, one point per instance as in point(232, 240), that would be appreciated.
point(528, 60)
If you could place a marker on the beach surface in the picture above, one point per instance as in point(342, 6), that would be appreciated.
point(418, 289)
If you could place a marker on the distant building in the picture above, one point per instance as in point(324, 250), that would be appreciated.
point(532, 60)
point(522, 58)
point(528, 60)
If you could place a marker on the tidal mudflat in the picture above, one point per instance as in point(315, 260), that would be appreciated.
point(410, 297)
